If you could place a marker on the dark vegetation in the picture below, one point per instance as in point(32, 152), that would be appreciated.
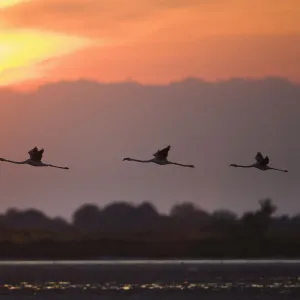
point(122, 230)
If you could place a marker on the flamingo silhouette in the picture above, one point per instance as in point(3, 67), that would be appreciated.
point(160, 158)
point(261, 164)
point(35, 159)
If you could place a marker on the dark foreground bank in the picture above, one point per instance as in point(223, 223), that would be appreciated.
point(216, 248)
point(126, 231)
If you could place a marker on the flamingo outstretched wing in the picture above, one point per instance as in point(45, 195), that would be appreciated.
point(36, 154)
point(162, 154)
point(266, 160)
point(259, 157)
point(262, 160)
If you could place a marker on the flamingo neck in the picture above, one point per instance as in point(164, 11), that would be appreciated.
point(242, 166)
point(141, 161)
point(15, 162)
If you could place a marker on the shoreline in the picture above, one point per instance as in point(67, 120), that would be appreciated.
point(143, 261)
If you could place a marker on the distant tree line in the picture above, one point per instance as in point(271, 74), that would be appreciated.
point(127, 230)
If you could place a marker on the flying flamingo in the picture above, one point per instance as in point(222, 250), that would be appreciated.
point(261, 164)
point(160, 158)
point(35, 159)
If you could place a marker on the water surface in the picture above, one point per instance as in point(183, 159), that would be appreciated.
point(150, 279)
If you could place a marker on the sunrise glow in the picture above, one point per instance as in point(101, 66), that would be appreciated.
point(21, 52)
point(7, 3)
point(148, 41)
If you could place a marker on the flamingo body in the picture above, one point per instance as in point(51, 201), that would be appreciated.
point(161, 162)
point(261, 164)
point(35, 159)
point(160, 158)
point(35, 163)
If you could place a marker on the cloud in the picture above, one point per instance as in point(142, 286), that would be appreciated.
point(159, 40)
point(120, 18)
point(23, 74)
point(95, 18)
point(88, 17)
point(149, 62)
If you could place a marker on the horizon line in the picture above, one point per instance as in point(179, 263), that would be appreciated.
point(35, 87)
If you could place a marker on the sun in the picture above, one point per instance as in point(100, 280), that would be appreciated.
point(21, 52)
point(6, 3)
point(5, 51)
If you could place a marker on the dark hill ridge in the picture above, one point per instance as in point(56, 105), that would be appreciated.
point(123, 230)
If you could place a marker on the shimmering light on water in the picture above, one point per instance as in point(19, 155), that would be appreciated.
point(142, 277)
point(288, 285)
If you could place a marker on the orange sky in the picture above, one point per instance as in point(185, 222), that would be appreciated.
point(150, 41)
